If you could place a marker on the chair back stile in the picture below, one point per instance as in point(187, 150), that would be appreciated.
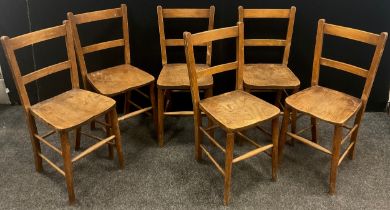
point(271, 13)
point(10, 45)
point(183, 13)
point(95, 16)
point(192, 40)
point(378, 40)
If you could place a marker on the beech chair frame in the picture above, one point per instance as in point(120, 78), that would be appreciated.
point(101, 15)
point(377, 40)
point(164, 93)
point(286, 43)
point(10, 45)
point(209, 36)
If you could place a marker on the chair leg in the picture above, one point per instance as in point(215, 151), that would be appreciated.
point(152, 96)
point(275, 139)
point(278, 98)
point(198, 134)
point(126, 104)
point(294, 117)
point(78, 139)
point(358, 119)
point(109, 133)
point(337, 136)
point(93, 125)
point(228, 166)
point(209, 93)
point(68, 167)
point(118, 141)
point(160, 108)
point(36, 146)
point(314, 135)
point(283, 131)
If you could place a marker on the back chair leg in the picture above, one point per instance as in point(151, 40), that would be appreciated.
point(198, 134)
point(118, 141)
point(228, 166)
point(335, 157)
point(160, 107)
point(68, 168)
point(93, 125)
point(78, 139)
point(109, 133)
point(314, 135)
point(126, 105)
point(283, 131)
point(275, 139)
point(36, 146)
point(209, 93)
point(152, 96)
point(278, 98)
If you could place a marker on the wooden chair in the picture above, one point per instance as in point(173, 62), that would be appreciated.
point(265, 77)
point(234, 111)
point(65, 112)
point(122, 79)
point(338, 107)
point(174, 76)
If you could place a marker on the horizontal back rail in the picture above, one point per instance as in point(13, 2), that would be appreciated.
point(265, 42)
point(216, 34)
point(266, 13)
point(46, 71)
point(344, 67)
point(103, 46)
point(98, 15)
point(186, 13)
point(37, 36)
point(350, 33)
point(178, 42)
point(217, 69)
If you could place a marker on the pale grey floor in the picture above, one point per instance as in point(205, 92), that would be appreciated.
point(169, 177)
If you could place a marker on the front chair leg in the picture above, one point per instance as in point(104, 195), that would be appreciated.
point(78, 139)
point(160, 117)
point(283, 132)
point(275, 139)
point(314, 135)
point(108, 134)
point(228, 166)
point(198, 134)
point(335, 157)
point(36, 146)
point(118, 141)
point(67, 165)
point(152, 96)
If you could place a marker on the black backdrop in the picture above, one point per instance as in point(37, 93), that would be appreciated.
point(21, 16)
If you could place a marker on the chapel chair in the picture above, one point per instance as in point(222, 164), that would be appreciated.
point(271, 77)
point(233, 111)
point(332, 106)
point(174, 76)
point(65, 112)
point(122, 79)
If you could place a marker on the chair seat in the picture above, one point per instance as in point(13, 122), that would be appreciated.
point(269, 76)
point(118, 79)
point(238, 110)
point(175, 76)
point(72, 108)
point(326, 104)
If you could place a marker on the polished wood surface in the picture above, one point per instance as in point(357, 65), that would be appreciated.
point(175, 76)
point(330, 105)
point(72, 108)
point(64, 112)
point(232, 111)
point(118, 79)
point(326, 104)
point(269, 76)
point(237, 110)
